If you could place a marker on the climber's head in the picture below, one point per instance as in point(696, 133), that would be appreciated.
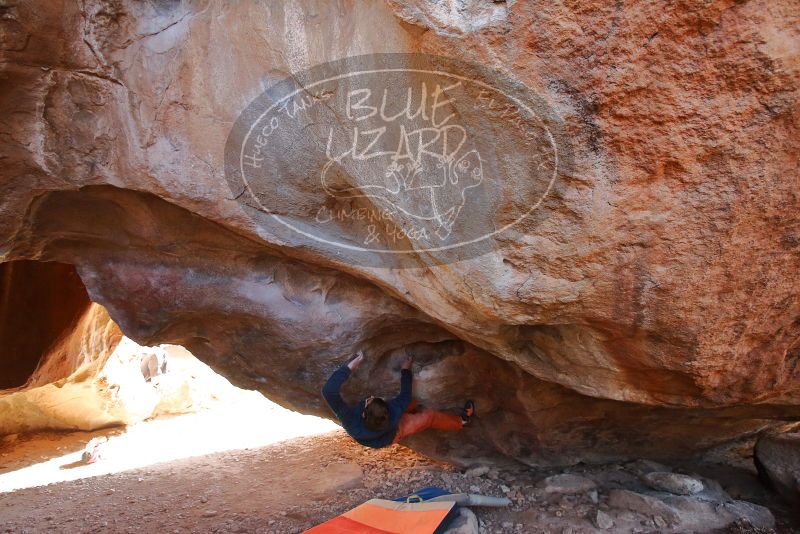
point(376, 414)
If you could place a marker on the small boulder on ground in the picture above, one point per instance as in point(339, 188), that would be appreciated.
point(700, 515)
point(477, 471)
point(644, 504)
point(465, 523)
point(94, 450)
point(602, 520)
point(672, 483)
point(691, 513)
point(566, 484)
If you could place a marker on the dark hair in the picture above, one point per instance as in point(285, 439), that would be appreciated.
point(376, 415)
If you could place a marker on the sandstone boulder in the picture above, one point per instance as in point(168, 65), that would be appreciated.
point(602, 520)
point(566, 484)
point(66, 390)
point(644, 504)
point(466, 522)
point(672, 482)
point(777, 458)
point(675, 513)
point(647, 307)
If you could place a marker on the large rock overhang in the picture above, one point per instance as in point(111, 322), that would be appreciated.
point(650, 311)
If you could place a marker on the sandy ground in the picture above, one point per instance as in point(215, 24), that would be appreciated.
point(285, 487)
point(279, 488)
point(240, 463)
point(218, 417)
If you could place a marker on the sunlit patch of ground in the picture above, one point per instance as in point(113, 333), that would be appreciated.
point(227, 418)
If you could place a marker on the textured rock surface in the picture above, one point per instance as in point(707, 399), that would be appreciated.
point(40, 305)
point(687, 514)
point(652, 311)
point(566, 484)
point(777, 458)
point(66, 390)
point(92, 379)
point(673, 483)
point(465, 523)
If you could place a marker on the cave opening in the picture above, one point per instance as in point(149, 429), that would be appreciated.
point(40, 303)
point(72, 384)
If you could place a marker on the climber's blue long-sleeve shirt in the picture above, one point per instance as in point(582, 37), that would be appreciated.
point(352, 416)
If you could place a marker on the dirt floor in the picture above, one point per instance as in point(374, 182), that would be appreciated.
point(239, 463)
point(281, 488)
point(286, 487)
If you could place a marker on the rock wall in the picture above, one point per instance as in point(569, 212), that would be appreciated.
point(40, 304)
point(651, 309)
point(66, 390)
point(92, 378)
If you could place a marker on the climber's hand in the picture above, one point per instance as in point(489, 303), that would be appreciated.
point(355, 362)
point(408, 361)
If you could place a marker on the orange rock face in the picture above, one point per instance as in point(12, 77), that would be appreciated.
point(649, 307)
point(40, 305)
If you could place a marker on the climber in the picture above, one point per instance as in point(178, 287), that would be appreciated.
point(375, 422)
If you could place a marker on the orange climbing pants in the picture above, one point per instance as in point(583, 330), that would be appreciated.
point(411, 423)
